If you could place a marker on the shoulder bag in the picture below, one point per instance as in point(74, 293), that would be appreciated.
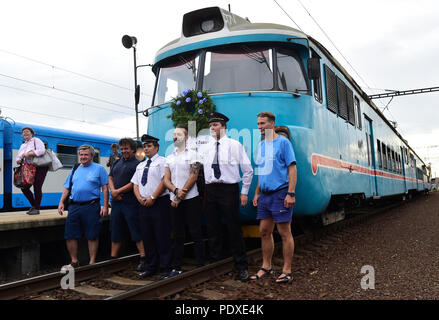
point(67, 199)
point(43, 161)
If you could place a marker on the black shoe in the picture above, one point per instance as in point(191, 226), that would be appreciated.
point(146, 274)
point(243, 275)
point(141, 266)
point(33, 211)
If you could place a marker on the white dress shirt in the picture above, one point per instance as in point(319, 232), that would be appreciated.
point(231, 157)
point(180, 165)
point(156, 173)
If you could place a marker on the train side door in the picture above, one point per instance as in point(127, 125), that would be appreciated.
point(403, 162)
point(371, 155)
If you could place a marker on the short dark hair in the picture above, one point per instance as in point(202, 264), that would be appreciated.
point(28, 128)
point(268, 115)
point(128, 142)
point(181, 126)
point(114, 145)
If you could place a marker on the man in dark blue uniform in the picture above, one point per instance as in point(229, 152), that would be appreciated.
point(124, 205)
point(155, 217)
point(223, 159)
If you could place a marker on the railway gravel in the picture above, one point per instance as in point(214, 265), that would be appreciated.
point(400, 245)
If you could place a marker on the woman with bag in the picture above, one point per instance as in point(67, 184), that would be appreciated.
point(32, 147)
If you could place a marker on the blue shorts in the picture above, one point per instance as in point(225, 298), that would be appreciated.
point(272, 205)
point(83, 219)
point(124, 214)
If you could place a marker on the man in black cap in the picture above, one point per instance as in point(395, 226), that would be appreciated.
point(222, 159)
point(155, 219)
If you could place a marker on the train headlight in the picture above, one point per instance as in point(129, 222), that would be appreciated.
point(207, 25)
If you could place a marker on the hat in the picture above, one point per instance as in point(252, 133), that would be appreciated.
point(147, 138)
point(216, 116)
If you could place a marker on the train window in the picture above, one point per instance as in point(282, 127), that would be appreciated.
point(175, 76)
point(97, 156)
point(368, 149)
point(317, 82)
point(331, 90)
point(290, 74)
point(380, 160)
point(238, 68)
point(389, 160)
point(358, 109)
point(350, 103)
point(393, 161)
point(383, 150)
point(67, 155)
point(342, 103)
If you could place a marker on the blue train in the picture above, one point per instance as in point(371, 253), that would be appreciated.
point(64, 143)
point(346, 149)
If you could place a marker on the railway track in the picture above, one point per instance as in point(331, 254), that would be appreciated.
point(128, 288)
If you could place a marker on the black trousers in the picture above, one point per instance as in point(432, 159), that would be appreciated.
point(155, 226)
point(222, 200)
point(187, 213)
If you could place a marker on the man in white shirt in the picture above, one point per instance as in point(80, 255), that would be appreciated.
point(181, 175)
point(222, 159)
point(155, 219)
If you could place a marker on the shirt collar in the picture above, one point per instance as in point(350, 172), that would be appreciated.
point(153, 158)
point(176, 151)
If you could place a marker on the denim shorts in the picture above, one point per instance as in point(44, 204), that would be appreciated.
point(83, 219)
point(272, 205)
point(124, 214)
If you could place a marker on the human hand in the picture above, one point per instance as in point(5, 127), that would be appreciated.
point(244, 199)
point(289, 201)
point(255, 200)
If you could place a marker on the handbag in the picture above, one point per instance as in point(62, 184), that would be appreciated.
point(24, 175)
point(43, 161)
point(56, 163)
point(67, 199)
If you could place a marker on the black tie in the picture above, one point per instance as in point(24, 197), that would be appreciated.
point(215, 164)
point(145, 172)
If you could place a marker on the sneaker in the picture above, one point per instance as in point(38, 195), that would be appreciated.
point(174, 272)
point(33, 211)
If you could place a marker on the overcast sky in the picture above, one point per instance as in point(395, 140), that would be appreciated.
point(45, 44)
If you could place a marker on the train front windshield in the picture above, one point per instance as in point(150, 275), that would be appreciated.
point(233, 69)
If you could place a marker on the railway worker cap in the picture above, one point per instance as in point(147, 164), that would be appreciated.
point(217, 117)
point(147, 138)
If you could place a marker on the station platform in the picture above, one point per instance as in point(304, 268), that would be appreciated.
point(29, 243)
point(20, 220)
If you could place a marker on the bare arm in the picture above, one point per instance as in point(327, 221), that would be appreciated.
point(65, 193)
point(104, 209)
point(292, 180)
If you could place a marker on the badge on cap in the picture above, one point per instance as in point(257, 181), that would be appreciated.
point(216, 116)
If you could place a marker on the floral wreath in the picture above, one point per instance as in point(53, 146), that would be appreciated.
point(192, 105)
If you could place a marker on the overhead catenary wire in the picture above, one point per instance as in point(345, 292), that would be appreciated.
point(288, 15)
point(63, 99)
point(65, 91)
point(58, 117)
point(70, 71)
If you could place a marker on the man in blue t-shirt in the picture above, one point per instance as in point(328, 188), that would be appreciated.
point(85, 211)
point(274, 195)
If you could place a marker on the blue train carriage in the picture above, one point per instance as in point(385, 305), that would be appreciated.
point(65, 144)
point(346, 149)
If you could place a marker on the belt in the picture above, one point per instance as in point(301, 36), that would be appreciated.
point(81, 203)
point(268, 192)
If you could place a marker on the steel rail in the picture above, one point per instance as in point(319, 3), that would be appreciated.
point(21, 288)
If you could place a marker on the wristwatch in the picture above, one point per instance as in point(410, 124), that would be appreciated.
point(152, 197)
point(291, 194)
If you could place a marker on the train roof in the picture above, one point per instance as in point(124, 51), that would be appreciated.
point(227, 25)
point(41, 130)
point(231, 25)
